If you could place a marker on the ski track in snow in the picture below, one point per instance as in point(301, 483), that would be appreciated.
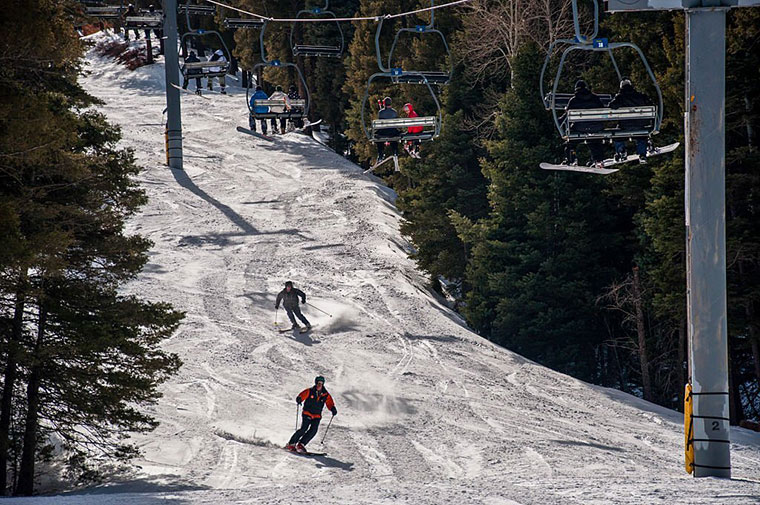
point(429, 413)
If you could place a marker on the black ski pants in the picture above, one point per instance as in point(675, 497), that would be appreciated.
point(294, 312)
point(381, 149)
point(594, 146)
point(307, 430)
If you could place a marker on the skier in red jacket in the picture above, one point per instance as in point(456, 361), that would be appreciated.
point(412, 146)
point(314, 399)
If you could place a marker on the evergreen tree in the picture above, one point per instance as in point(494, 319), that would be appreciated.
point(79, 358)
point(448, 179)
point(543, 255)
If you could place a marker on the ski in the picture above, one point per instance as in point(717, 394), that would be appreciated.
point(381, 162)
point(190, 92)
point(253, 133)
point(610, 162)
point(306, 329)
point(578, 168)
point(305, 453)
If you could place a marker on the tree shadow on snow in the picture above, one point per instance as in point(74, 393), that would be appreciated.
point(590, 444)
point(161, 484)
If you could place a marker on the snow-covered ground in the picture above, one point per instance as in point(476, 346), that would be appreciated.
point(429, 413)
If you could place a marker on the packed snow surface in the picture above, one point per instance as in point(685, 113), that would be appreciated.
point(428, 412)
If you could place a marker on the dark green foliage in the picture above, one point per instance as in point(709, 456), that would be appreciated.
point(79, 359)
point(541, 258)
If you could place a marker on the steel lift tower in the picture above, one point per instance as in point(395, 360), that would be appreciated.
point(705, 205)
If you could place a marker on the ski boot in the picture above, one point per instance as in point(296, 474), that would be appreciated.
point(642, 159)
point(300, 448)
point(621, 156)
point(291, 447)
point(295, 327)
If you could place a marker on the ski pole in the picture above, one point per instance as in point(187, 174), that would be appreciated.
point(275, 315)
point(322, 311)
point(297, 409)
point(326, 430)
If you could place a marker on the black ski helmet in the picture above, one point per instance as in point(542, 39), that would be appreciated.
point(278, 88)
point(289, 284)
point(319, 378)
point(580, 84)
point(387, 101)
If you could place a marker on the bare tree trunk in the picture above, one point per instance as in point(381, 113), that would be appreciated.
point(642, 336)
point(25, 485)
point(6, 404)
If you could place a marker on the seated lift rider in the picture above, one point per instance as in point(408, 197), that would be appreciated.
point(629, 97)
point(583, 98)
point(387, 112)
point(260, 94)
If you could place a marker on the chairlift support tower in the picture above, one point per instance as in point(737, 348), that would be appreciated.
point(171, 67)
point(705, 205)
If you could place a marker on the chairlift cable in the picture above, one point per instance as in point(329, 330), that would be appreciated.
point(332, 20)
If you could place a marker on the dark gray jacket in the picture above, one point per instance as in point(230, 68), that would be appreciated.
point(290, 300)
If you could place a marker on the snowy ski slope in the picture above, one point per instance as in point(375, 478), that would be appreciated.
point(428, 412)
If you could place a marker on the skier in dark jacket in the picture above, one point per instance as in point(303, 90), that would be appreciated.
point(314, 400)
point(293, 95)
point(585, 99)
point(289, 298)
point(188, 72)
point(386, 112)
point(629, 97)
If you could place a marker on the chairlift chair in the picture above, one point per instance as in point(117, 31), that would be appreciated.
point(104, 12)
point(435, 77)
point(208, 69)
point(554, 101)
point(329, 51)
point(431, 124)
point(235, 23)
point(298, 108)
point(145, 21)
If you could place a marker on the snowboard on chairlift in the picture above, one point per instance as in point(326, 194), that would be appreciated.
point(255, 134)
point(610, 162)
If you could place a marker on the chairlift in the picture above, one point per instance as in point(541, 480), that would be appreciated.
point(329, 51)
point(298, 108)
point(377, 131)
point(104, 12)
point(554, 101)
point(235, 23)
point(145, 21)
point(435, 77)
point(208, 69)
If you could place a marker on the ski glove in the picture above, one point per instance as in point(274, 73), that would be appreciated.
point(303, 301)
point(298, 401)
point(334, 411)
point(276, 307)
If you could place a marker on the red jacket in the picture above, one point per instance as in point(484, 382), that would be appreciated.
point(412, 113)
point(314, 401)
